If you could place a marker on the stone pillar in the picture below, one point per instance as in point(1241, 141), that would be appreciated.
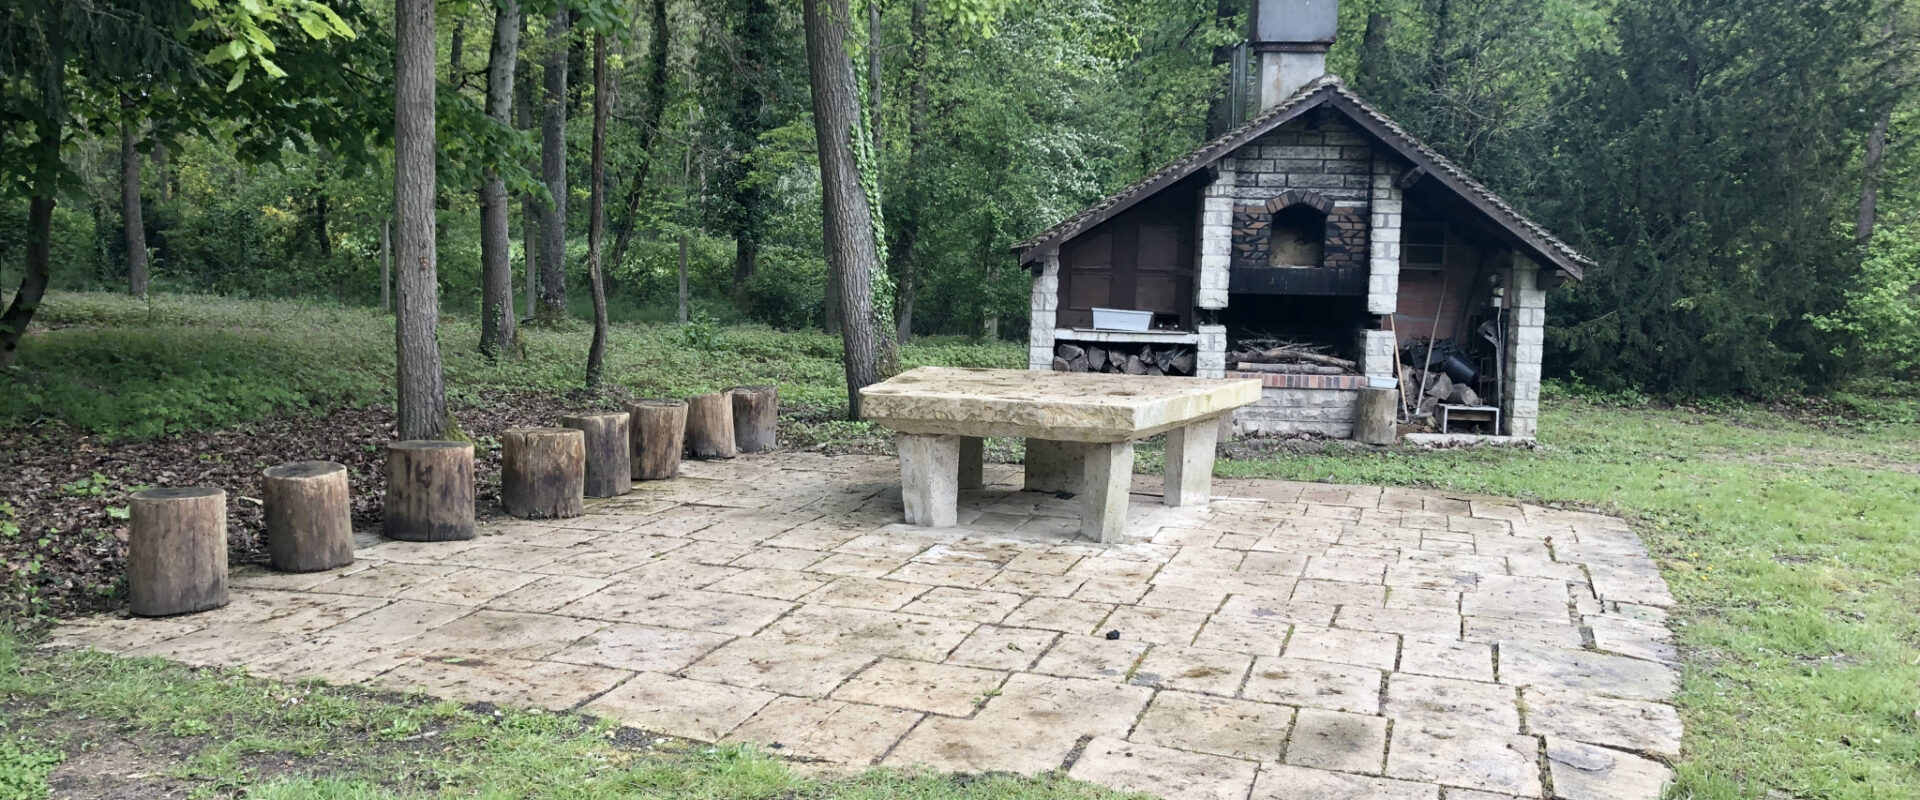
point(1383, 239)
point(1378, 356)
point(1210, 354)
point(1045, 308)
point(1052, 466)
point(1526, 306)
point(1104, 491)
point(1216, 239)
point(929, 486)
point(973, 462)
point(1189, 469)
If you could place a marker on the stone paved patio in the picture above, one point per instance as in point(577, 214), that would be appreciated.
point(1306, 641)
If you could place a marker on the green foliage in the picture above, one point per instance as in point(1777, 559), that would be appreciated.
point(24, 768)
point(1881, 314)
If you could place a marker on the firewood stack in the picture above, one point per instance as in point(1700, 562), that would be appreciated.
point(1436, 387)
point(1287, 358)
point(1130, 359)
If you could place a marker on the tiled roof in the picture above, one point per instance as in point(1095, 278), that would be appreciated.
point(1326, 90)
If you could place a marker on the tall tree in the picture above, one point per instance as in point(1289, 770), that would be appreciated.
point(422, 388)
point(751, 52)
point(130, 216)
point(496, 262)
point(596, 214)
point(847, 217)
point(651, 116)
point(529, 201)
point(553, 169)
point(905, 230)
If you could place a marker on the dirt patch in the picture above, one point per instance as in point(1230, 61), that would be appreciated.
point(68, 489)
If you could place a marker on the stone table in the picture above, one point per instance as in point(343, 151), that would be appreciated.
point(1080, 429)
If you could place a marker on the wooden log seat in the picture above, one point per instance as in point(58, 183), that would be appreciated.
point(609, 461)
point(756, 417)
point(543, 472)
point(429, 491)
point(177, 551)
point(659, 431)
point(309, 519)
point(710, 426)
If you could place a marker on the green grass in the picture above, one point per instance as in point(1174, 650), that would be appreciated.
point(1793, 553)
point(315, 742)
point(113, 365)
point(1790, 544)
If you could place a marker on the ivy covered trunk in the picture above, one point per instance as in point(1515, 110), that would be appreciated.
point(846, 213)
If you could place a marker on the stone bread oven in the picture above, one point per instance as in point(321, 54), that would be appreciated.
point(1317, 222)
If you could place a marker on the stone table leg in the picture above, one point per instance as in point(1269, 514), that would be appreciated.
point(1103, 491)
point(1189, 476)
point(1053, 466)
point(973, 457)
point(929, 486)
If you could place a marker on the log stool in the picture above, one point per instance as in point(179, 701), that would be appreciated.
point(756, 417)
point(659, 430)
point(429, 491)
point(710, 426)
point(543, 472)
point(177, 551)
point(609, 459)
point(309, 523)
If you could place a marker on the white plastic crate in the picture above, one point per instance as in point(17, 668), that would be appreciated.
point(1120, 319)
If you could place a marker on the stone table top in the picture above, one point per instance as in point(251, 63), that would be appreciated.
point(1057, 406)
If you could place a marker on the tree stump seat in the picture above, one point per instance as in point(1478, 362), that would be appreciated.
point(609, 465)
point(659, 432)
point(543, 472)
point(309, 518)
point(710, 426)
point(177, 551)
point(756, 417)
point(429, 491)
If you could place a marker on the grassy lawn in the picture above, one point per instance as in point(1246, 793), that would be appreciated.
point(1788, 539)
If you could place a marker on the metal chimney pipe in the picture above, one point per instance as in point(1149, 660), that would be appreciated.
point(1291, 38)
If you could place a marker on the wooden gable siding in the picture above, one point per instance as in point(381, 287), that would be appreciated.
point(1142, 259)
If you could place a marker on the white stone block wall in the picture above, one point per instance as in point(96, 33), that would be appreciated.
point(1377, 356)
point(1216, 239)
point(1526, 346)
point(1210, 353)
point(1328, 412)
point(1045, 305)
point(1383, 242)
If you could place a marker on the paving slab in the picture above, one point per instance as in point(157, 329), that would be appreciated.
point(1291, 641)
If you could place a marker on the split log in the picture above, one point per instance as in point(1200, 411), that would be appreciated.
point(1135, 366)
point(1163, 359)
point(659, 433)
point(1298, 354)
point(609, 464)
point(1061, 365)
point(1439, 385)
point(429, 491)
point(543, 472)
point(1096, 359)
point(1464, 395)
point(1288, 369)
point(1373, 417)
point(1183, 364)
point(756, 417)
point(710, 426)
point(309, 519)
point(1155, 370)
point(177, 551)
point(1069, 351)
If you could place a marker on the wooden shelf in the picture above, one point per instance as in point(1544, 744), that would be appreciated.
point(1125, 337)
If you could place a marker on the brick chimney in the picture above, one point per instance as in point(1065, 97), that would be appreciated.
point(1291, 38)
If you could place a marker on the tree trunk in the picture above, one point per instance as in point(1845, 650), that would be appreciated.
point(609, 452)
point(309, 518)
point(1220, 108)
point(386, 265)
point(1870, 177)
point(756, 417)
point(177, 551)
point(754, 26)
point(553, 169)
point(164, 179)
point(906, 231)
point(429, 491)
point(845, 215)
point(873, 75)
point(685, 297)
point(496, 242)
point(529, 204)
point(422, 391)
point(651, 115)
point(710, 426)
point(130, 215)
point(659, 431)
point(543, 472)
point(596, 218)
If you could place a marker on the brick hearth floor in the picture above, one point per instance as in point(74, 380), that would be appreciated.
point(1292, 641)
